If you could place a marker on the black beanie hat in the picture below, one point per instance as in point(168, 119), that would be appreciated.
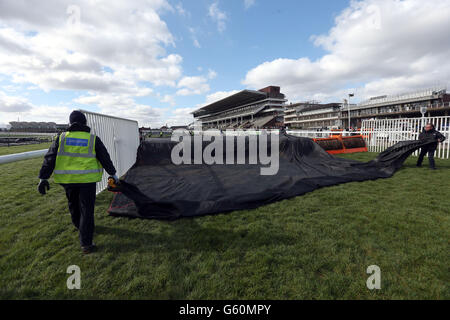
point(77, 116)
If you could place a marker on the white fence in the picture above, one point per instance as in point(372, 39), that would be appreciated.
point(121, 139)
point(317, 134)
point(237, 132)
point(383, 133)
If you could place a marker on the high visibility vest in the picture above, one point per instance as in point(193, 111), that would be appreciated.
point(76, 161)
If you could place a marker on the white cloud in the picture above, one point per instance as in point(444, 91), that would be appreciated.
point(196, 43)
point(194, 38)
point(192, 86)
point(13, 104)
point(113, 55)
point(13, 107)
point(11, 88)
point(59, 56)
point(168, 99)
point(218, 16)
point(180, 116)
point(249, 3)
point(375, 47)
point(195, 85)
point(212, 74)
point(122, 105)
point(58, 114)
point(182, 11)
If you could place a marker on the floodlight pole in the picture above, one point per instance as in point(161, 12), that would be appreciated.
point(348, 108)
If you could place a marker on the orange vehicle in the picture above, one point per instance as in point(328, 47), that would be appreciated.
point(337, 144)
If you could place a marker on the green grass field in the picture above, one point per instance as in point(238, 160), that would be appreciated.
point(315, 246)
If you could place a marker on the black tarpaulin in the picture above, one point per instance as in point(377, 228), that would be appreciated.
point(156, 188)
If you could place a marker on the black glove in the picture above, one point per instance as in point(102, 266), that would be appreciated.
point(43, 184)
point(115, 178)
point(113, 183)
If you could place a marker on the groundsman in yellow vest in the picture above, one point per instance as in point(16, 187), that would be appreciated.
point(77, 159)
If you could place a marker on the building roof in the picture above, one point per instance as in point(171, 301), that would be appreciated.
point(241, 98)
point(305, 106)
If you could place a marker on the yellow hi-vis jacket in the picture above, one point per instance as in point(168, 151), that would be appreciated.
point(76, 161)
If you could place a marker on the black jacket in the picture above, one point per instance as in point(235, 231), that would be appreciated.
point(432, 134)
point(100, 150)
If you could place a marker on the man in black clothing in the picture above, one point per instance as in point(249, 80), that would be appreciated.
point(429, 133)
point(80, 196)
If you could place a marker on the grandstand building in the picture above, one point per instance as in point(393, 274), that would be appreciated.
point(61, 127)
point(399, 106)
point(244, 110)
point(37, 127)
point(312, 115)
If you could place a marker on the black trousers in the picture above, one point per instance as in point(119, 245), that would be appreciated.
point(423, 152)
point(81, 199)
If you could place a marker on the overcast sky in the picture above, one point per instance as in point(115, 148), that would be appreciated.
point(157, 60)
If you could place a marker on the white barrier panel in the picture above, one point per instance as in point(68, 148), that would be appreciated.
point(382, 133)
point(121, 139)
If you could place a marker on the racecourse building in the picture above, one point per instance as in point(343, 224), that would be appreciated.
point(312, 115)
point(436, 101)
point(244, 110)
point(37, 127)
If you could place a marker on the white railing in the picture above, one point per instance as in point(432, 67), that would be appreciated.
point(121, 139)
point(22, 156)
point(298, 133)
point(237, 132)
point(317, 134)
point(383, 133)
